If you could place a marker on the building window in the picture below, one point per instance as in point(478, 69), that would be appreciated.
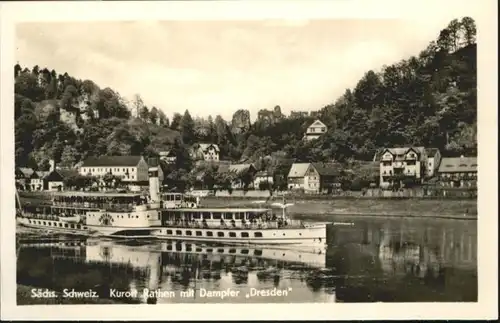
point(258, 234)
point(210, 234)
point(244, 234)
point(232, 234)
point(199, 233)
point(189, 233)
point(220, 234)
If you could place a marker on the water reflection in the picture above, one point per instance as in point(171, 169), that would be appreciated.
point(376, 260)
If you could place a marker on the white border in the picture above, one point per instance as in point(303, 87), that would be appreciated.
point(484, 13)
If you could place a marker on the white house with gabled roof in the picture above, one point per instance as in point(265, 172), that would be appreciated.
point(315, 130)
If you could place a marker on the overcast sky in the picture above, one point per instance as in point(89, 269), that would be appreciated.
point(218, 67)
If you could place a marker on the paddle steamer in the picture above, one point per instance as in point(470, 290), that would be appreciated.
point(170, 216)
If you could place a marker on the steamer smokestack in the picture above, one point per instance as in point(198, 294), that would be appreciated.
point(154, 181)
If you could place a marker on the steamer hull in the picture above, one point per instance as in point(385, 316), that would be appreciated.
point(314, 236)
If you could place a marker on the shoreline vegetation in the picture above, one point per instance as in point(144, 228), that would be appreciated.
point(324, 208)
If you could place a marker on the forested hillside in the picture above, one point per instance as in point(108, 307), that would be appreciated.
point(426, 100)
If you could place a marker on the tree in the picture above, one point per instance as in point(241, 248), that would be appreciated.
point(210, 177)
point(27, 85)
point(111, 181)
point(187, 129)
point(469, 26)
point(144, 113)
point(17, 70)
point(162, 118)
point(69, 156)
point(225, 180)
point(183, 158)
point(176, 121)
point(153, 115)
point(212, 132)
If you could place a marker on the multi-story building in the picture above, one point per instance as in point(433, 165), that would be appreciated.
point(399, 163)
point(433, 161)
point(312, 177)
point(458, 172)
point(296, 176)
point(129, 168)
point(315, 130)
point(37, 182)
point(207, 152)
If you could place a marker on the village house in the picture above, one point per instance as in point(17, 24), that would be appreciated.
point(132, 170)
point(168, 156)
point(414, 163)
point(22, 177)
point(313, 177)
point(30, 180)
point(207, 152)
point(315, 130)
point(329, 176)
point(262, 177)
point(54, 180)
point(296, 176)
point(433, 161)
point(243, 172)
point(458, 172)
point(37, 180)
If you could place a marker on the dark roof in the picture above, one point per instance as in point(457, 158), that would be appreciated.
point(54, 176)
point(39, 174)
point(67, 172)
point(110, 161)
point(326, 169)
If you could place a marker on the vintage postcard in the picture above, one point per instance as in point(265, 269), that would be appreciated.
point(264, 160)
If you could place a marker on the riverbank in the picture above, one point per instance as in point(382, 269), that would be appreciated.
point(311, 209)
point(321, 209)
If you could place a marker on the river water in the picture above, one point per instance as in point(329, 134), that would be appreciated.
point(367, 260)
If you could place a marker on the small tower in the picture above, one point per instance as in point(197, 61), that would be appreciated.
point(154, 181)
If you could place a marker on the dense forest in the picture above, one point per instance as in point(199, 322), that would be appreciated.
point(425, 100)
